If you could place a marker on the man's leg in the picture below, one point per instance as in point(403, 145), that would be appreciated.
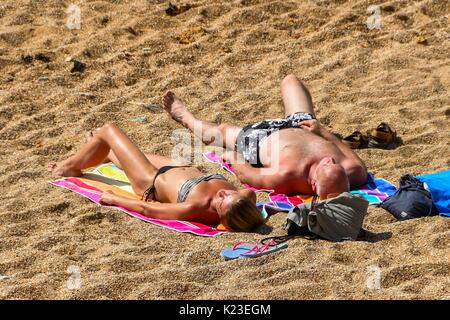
point(220, 135)
point(296, 97)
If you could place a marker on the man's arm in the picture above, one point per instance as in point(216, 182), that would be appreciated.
point(164, 211)
point(261, 178)
point(348, 152)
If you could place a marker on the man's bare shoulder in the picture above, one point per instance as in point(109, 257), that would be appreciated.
point(356, 172)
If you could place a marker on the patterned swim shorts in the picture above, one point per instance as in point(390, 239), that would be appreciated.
point(250, 137)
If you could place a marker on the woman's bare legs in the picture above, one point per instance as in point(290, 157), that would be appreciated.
point(296, 97)
point(156, 160)
point(135, 164)
point(220, 135)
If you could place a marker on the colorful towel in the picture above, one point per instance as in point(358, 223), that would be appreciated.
point(110, 177)
point(374, 191)
point(439, 186)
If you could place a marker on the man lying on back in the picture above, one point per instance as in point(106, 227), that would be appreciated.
point(292, 155)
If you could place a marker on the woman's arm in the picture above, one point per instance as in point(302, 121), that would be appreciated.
point(164, 211)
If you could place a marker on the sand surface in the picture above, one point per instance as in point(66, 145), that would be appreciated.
point(226, 60)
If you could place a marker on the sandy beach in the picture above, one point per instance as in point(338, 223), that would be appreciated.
point(225, 59)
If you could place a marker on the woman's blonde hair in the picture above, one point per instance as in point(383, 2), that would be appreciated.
point(243, 215)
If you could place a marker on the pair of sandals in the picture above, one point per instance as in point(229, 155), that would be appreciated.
point(382, 137)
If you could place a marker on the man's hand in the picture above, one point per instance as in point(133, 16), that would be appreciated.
point(313, 126)
point(108, 197)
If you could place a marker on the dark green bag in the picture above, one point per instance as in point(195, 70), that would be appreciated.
point(335, 219)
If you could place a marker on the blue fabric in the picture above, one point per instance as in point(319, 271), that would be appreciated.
point(439, 186)
point(375, 190)
point(381, 184)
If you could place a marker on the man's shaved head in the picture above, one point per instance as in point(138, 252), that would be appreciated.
point(330, 178)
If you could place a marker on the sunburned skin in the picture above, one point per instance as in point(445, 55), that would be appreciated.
point(282, 151)
point(307, 159)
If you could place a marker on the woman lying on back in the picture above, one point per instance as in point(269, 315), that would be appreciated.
point(184, 192)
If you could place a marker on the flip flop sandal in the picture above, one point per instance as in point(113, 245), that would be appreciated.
point(251, 250)
point(264, 249)
point(356, 140)
point(238, 249)
point(383, 137)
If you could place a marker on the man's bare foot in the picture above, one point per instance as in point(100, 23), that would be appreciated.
point(174, 106)
point(63, 169)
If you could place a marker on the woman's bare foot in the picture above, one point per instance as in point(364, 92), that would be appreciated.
point(108, 197)
point(63, 169)
point(175, 107)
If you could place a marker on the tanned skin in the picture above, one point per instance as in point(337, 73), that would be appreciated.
point(206, 203)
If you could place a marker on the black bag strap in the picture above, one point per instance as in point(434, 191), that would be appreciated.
point(295, 231)
point(281, 239)
point(432, 206)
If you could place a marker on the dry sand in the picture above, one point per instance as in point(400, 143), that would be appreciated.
point(226, 59)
